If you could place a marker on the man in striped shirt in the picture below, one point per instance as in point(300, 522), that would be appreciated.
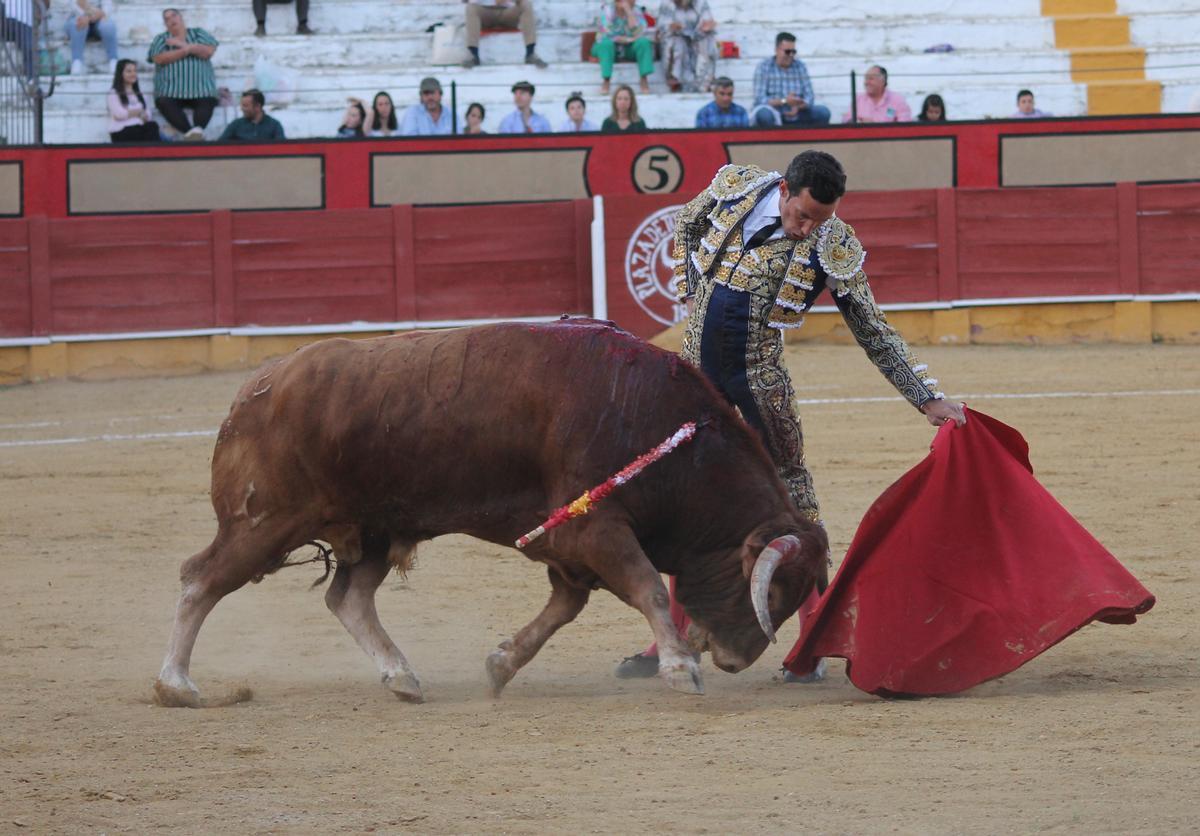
point(183, 75)
point(783, 92)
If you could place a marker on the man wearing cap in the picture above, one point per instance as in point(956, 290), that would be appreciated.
point(428, 118)
point(523, 120)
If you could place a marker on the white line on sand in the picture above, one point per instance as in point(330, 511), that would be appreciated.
point(85, 439)
point(1137, 393)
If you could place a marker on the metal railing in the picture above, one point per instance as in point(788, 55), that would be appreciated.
point(28, 71)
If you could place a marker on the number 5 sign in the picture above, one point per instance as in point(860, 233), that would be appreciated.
point(657, 170)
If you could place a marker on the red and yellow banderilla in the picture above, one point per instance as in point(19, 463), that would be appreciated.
point(584, 503)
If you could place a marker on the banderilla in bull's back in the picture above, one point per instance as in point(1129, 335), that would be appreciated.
point(374, 445)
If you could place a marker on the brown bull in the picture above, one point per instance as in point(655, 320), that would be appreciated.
point(375, 445)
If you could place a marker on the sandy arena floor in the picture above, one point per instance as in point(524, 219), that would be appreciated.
point(1099, 735)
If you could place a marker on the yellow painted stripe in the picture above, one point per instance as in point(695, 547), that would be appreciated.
point(1103, 56)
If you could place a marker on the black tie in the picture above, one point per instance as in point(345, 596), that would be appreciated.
point(760, 237)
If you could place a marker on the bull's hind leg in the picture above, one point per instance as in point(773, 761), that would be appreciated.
point(227, 564)
point(351, 597)
point(565, 603)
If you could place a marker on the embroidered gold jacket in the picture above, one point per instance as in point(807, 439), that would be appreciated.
point(709, 247)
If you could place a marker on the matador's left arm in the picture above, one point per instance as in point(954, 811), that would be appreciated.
point(842, 256)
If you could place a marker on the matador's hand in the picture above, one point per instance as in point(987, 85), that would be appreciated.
point(940, 411)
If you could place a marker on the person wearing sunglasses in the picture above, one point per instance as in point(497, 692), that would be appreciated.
point(783, 92)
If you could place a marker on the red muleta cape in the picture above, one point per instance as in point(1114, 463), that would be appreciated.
point(963, 570)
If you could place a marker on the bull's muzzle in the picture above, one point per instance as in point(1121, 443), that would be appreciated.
point(775, 553)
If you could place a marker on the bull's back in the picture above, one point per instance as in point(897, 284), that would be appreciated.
point(457, 430)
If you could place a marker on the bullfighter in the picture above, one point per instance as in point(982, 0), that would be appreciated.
point(752, 253)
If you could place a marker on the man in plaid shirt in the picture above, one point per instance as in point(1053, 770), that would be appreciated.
point(783, 92)
point(722, 111)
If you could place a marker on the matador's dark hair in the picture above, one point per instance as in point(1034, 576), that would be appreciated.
point(818, 172)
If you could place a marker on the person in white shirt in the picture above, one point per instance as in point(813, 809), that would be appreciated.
point(576, 120)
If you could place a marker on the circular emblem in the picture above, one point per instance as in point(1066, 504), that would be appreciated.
point(657, 170)
point(650, 270)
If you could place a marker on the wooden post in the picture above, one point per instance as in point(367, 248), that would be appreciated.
point(1129, 277)
point(41, 312)
point(947, 234)
point(224, 287)
point(583, 256)
point(404, 262)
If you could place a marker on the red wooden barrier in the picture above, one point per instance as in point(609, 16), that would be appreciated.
point(610, 168)
point(432, 264)
point(1168, 237)
point(16, 314)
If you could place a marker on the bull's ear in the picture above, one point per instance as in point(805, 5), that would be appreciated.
point(750, 552)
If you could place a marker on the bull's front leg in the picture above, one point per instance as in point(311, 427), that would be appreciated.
point(619, 560)
point(565, 603)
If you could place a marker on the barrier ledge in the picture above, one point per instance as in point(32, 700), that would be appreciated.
point(1172, 318)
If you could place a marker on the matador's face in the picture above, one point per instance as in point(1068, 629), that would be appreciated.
point(802, 213)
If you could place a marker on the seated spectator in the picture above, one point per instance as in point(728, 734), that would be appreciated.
point(933, 109)
point(128, 117)
point(183, 75)
point(687, 31)
point(576, 116)
point(92, 20)
point(783, 92)
point(253, 125)
point(260, 15)
point(878, 103)
point(524, 120)
point(1025, 108)
point(624, 117)
point(381, 121)
point(722, 111)
point(353, 121)
point(428, 118)
point(474, 119)
point(621, 33)
point(501, 14)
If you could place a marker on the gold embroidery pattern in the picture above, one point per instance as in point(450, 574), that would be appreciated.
point(735, 181)
point(776, 400)
point(690, 225)
point(772, 391)
point(886, 348)
point(840, 253)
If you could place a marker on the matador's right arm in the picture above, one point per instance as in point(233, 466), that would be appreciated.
point(691, 225)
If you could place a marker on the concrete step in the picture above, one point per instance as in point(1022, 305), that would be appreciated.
point(1108, 63)
point(349, 16)
point(850, 39)
point(1108, 98)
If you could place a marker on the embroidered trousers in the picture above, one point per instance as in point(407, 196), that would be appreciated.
point(728, 339)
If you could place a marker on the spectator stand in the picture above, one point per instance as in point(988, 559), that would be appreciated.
point(369, 45)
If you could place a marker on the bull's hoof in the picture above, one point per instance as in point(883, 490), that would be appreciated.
point(169, 696)
point(684, 678)
point(499, 670)
point(405, 686)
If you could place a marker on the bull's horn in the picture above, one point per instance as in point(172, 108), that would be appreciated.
point(776, 552)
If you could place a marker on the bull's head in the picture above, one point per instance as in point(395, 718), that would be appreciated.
point(737, 600)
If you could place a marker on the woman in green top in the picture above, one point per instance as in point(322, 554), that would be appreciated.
point(624, 117)
point(621, 33)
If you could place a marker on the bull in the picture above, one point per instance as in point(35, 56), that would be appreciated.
point(372, 446)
